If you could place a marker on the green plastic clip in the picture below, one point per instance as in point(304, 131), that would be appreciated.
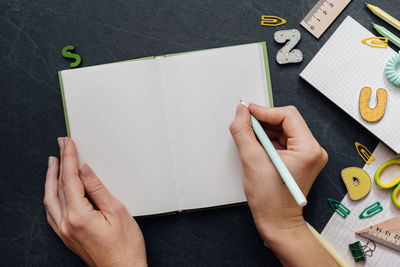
point(357, 251)
point(371, 210)
point(361, 252)
point(339, 208)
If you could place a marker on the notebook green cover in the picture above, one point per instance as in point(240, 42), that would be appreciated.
point(269, 95)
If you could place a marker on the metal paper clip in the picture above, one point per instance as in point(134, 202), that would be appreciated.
point(339, 208)
point(272, 21)
point(364, 153)
point(371, 210)
point(380, 42)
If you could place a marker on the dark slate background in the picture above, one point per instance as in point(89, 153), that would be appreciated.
point(32, 34)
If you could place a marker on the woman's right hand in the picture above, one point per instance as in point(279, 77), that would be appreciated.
point(276, 214)
point(271, 203)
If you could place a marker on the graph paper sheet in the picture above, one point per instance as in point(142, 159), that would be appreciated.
point(340, 232)
point(345, 65)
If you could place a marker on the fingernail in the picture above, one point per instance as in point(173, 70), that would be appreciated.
point(85, 170)
point(51, 162)
point(239, 109)
point(66, 141)
point(60, 142)
point(254, 105)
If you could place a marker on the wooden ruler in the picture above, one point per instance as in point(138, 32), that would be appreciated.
point(322, 15)
point(386, 233)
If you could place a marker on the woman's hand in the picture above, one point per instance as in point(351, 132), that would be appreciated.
point(106, 236)
point(276, 214)
point(271, 203)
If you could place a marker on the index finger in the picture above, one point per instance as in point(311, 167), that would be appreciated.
point(244, 137)
point(69, 173)
point(289, 118)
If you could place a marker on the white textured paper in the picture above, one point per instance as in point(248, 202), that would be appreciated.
point(203, 90)
point(117, 119)
point(340, 232)
point(345, 65)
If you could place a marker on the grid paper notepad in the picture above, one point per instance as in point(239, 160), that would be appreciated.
point(340, 232)
point(345, 65)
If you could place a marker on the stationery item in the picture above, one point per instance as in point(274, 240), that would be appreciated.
point(339, 208)
point(156, 129)
point(348, 71)
point(286, 54)
point(379, 42)
point(385, 16)
point(371, 210)
point(386, 233)
point(387, 34)
point(331, 251)
point(277, 161)
point(360, 252)
point(391, 70)
point(376, 113)
point(357, 181)
point(339, 233)
point(272, 21)
point(322, 15)
point(67, 53)
point(393, 184)
point(364, 153)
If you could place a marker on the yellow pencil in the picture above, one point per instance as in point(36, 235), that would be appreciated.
point(385, 16)
point(331, 251)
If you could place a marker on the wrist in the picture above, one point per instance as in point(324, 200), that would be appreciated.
point(125, 263)
point(283, 230)
point(298, 247)
point(123, 259)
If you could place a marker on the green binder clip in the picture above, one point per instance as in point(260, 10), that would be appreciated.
point(371, 210)
point(339, 208)
point(360, 252)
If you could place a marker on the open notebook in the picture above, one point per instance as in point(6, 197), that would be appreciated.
point(156, 130)
point(345, 65)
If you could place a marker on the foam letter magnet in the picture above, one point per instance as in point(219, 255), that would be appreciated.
point(357, 181)
point(67, 53)
point(376, 113)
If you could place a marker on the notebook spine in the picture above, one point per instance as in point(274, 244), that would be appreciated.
point(160, 61)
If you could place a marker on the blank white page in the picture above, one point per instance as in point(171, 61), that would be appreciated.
point(203, 90)
point(345, 65)
point(117, 118)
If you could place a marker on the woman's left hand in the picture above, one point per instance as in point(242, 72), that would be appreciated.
point(107, 236)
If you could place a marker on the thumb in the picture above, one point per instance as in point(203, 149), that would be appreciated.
point(95, 189)
point(243, 135)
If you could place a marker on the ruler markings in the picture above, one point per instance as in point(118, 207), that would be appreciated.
point(324, 12)
point(314, 9)
point(382, 235)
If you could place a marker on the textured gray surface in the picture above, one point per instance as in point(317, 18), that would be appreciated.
point(32, 34)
